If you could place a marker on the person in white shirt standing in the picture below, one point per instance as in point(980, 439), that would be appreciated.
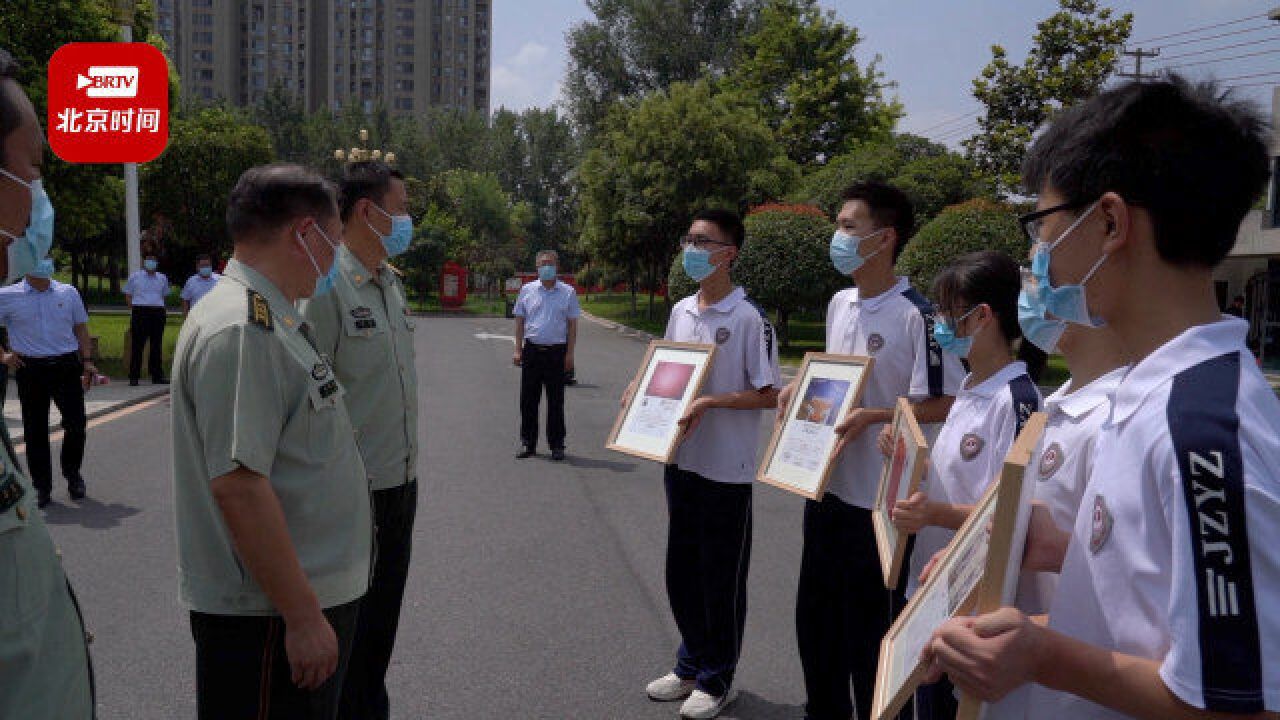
point(1167, 603)
point(198, 285)
point(144, 294)
point(546, 334)
point(709, 484)
point(842, 608)
point(49, 334)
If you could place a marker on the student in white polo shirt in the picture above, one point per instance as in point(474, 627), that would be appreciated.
point(977, 300)
point(709, 485)
point(842, 608)
point(1166, 607)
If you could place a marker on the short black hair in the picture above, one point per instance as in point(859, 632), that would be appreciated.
point(988, 277)
point(268, 197)
point(889, 206)
point(10, 114)
point(1190, 154)
point(729, 222)
point(367, 179)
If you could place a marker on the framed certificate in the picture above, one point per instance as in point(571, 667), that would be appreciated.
point(802, 451)
point(668, 381)
point(980, 561)
point(903, 471)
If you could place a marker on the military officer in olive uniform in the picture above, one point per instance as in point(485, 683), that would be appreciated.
point(44, 660)
point(365, 329)
point(273, 510)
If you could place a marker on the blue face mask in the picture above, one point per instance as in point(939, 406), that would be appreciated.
point(26, 251)
point(324, 280)
point(1041, 331)
point(1068, 302)
point(844, 251)
point(150, 265)
point(697, 263)
point(945, 333)
point(401, 233)
point(546, 273)
point(205, 271)
point(43, 269)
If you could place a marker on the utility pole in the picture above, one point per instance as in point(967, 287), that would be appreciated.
point(132, 222)
point(1138, 54)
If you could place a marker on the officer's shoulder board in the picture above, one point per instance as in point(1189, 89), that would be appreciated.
point(259, 310)
point(395, 270)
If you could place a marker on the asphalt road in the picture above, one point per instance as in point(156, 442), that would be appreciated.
point(536, 589)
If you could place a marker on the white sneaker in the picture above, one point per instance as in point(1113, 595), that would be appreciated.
point(669, 687)
point(701, 706)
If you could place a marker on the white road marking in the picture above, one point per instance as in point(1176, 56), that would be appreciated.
point(491, 336)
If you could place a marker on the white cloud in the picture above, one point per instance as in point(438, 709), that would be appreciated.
point(526, 79)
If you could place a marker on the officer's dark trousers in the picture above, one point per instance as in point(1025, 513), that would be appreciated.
point(39, 381)
point(242, 670)
point(542, 366)
point(146, 325)
point(708, 555)
point(364, 695)
point(842, 609)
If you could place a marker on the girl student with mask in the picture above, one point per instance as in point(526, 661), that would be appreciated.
point(978, 321)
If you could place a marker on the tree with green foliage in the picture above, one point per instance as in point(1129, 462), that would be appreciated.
point(1073, 53)
point(632, 48)
point(799, 69)
point(958, 230)
point(932, 176)
point(535, 156)
point(661, 160)
point(188, 185)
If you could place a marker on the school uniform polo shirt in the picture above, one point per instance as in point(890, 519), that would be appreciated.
point(968, 454)
point(147, 289)
point(896, 329)
point(251, 391)
point(42, 322)
point(723, 446)
point(547, 312)
point(198, 286)
point(1173, 556)
point(364, 328)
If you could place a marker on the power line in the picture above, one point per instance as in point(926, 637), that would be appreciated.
point(1257, 84)
point(1224, 47)
point(1224, 59)
point(1200, 29)
point(948, 122)
point(957, 133)
point(1206, 38)
point(1247, 77)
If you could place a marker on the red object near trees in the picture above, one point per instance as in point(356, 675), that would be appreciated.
point(453, 285)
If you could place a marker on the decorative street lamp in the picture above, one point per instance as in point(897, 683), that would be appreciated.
point(362, 152)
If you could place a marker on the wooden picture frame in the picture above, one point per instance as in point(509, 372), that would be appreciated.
point(801, 452)
point(668, 380)
point(901, 477)
point(980, 561)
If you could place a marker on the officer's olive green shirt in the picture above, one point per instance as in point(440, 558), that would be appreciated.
point(250, 390)
point(44, 661)
point(365, 329)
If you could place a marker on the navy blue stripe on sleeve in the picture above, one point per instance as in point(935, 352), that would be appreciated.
point(1204, 428)
point(1026, 400)
point(932, 347)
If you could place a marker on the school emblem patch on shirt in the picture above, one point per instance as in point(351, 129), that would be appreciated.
point(319, 371)
point(1050, 461)
point(1101, 525)
point(875, 343)
point(970, 446)
point(722, 335)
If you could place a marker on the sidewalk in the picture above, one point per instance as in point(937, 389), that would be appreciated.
point(100, 400)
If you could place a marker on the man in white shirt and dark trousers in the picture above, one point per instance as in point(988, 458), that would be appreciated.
point(546, 332)
point(144, 294)
point(49, 334)
point(709, 483)
point(198, 285)
point(842, 607)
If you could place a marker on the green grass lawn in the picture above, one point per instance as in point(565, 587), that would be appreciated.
point(475, 305)
point(109, 329)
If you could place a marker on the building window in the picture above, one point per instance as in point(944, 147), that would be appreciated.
point(404, 67)
point(404, 103)
point(404, 85)
point(403, 50)
point(404, 14)
point(202, 20)
point(462, 91)
point(205, 74)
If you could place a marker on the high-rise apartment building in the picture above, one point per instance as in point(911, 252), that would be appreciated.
point(405, 54)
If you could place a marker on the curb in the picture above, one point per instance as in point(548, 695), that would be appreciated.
point(20, 437)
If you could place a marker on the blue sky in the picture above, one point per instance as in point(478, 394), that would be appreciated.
point(932, 49)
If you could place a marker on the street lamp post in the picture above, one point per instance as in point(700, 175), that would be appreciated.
point(362, 152)
point(125, 11)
